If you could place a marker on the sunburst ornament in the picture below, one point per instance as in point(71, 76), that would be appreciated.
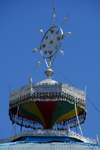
point(50, 44)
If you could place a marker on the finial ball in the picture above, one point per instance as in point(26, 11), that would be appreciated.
point(53, 15)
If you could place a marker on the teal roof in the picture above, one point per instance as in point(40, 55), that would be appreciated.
point(46, 139)
point(49, 146)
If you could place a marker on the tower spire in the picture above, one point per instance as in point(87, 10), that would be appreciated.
point(53, 15)
point(50, 44)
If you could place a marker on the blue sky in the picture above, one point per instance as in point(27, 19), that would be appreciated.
point(19, 34)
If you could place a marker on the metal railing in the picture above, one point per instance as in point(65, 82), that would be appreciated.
point(49, 133)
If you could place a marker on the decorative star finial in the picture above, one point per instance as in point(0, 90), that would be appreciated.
point(50, 44)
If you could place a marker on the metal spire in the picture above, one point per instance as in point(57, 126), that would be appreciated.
point(50, 44)
point(53, 15)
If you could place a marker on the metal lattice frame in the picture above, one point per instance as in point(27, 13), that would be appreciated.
point(51, 42)
point(24, 122)
point(34, 125)
point(72, 122)
point(59, 92)
point(50, 97)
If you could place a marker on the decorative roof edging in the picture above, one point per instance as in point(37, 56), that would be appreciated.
point(49, 133)
point(33, 89)
point(49, 97)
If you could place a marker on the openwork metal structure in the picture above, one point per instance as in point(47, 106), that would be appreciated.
point(50, 45)
point(48, 136)
point(51, 41)
point(47, 103)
